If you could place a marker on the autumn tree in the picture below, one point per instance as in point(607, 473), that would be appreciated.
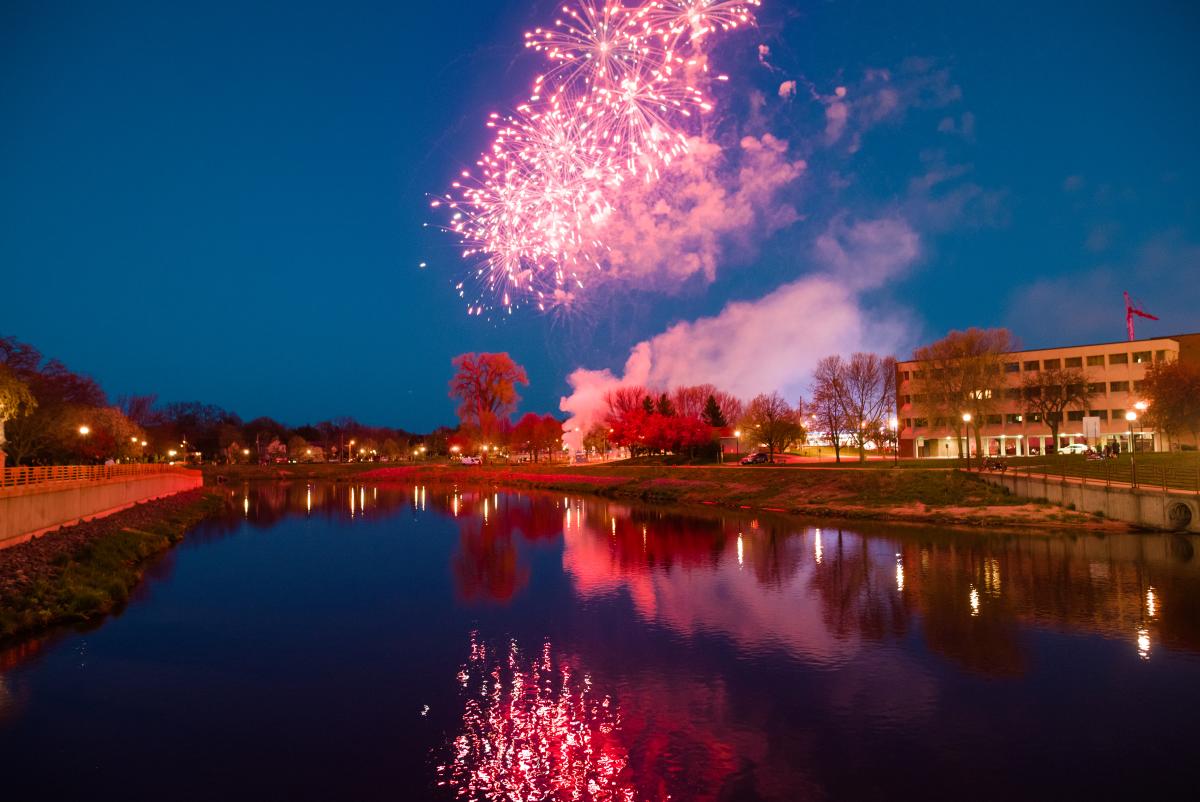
point(596, 438)
point(1172, 390)
point(828, 406)
point(485, 386)
point(1051, 392)
point(963, 372)
point(15, 401)
point(773, 421)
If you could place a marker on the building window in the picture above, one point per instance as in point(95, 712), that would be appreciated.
point(1160, 356)
point(1031, 365)
point(908, 423)
point(1096, 388)
point(1014, 418)
point(905, 375)
point(1141, 357)
point(1051, 364)
point(1118, 387)
point(1118, 414)
point(1013, 393)
point(920, 422)
point(1096, 361)
point(993, 420)
point(1073, 362)
point(1102, 414)
point(907, 399)
point(1033, 417)
point(918, 374)
point(1012, 367)
point(1118, 359)
point(1075, 415)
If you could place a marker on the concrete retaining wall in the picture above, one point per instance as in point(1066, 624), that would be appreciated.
point(33, 509)
point(1151, 509)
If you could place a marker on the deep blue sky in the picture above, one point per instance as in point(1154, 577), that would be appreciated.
point(224, 201)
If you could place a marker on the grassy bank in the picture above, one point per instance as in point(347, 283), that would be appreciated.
point(82, 572)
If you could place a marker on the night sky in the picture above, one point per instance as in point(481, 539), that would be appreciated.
point(225, 201)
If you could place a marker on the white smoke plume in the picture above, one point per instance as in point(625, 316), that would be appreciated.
point(772, 343)
point(663, 233)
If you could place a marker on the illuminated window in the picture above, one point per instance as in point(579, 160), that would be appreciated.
point(1033, 417)
point(1141, 357)
point(1118, 359)
point(1015, 418)
point(1096, 361)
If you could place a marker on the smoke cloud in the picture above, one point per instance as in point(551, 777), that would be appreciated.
point(773, 342)
point(663, 233)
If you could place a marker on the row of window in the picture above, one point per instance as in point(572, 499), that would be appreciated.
point(1021, 418)
point(1093, 361)
point(1017, 393)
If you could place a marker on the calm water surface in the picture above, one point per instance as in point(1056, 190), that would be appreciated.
point(391, 643)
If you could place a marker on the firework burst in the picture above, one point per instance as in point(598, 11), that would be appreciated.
point(622, 91)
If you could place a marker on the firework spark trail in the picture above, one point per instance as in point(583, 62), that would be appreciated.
point(620, 95)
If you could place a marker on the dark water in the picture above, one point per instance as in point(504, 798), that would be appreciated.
point(366, 643)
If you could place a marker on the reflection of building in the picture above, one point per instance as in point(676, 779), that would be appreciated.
point(1114, 372)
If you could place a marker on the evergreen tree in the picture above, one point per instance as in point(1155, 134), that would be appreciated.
point(712, 414)
point(648, 405)
point(665, 407)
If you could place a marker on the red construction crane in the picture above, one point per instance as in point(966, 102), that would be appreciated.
point(1132, 308)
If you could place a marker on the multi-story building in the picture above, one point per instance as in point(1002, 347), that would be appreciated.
point(1114, 373)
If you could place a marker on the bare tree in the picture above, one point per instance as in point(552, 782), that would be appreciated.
point(964, 372)
point(774, 422)
point(866, 397)
point(828, 408)
point(1050, 392)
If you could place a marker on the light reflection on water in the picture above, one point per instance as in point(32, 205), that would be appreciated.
point(685, 655)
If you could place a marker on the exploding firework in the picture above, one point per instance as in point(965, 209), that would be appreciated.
point(621, 94)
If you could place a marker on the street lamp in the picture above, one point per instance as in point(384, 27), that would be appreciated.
point(84, 431)
point(967, 438)
point(1131, 416)
point(895, 424)
point(737, 434)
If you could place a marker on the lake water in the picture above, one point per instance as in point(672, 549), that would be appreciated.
point(327, 642)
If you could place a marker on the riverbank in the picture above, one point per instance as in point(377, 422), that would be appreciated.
point(82, 572)
point(935, 497)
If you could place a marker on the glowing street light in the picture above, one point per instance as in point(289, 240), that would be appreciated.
point(966, 416)
point(1131, 416)
point(84, 431)
point(737, 434)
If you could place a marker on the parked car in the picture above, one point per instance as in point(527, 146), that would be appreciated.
point(757, 458)
point(1074, 448)
point(469, 460)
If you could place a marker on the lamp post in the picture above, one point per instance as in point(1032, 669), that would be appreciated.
point(737, 437)
point(1131, 416)
point(967, 438)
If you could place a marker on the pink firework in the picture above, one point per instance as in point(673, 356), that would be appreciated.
point(622, 90)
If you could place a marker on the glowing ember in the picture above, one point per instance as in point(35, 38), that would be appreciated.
point(621, 94)
point(533, 731)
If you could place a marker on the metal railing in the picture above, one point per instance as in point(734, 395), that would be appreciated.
point(49, 474)
point(1168, 477)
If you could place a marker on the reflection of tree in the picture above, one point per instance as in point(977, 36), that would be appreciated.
point(858, 596)
point(485, 565)
point(533, 730)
